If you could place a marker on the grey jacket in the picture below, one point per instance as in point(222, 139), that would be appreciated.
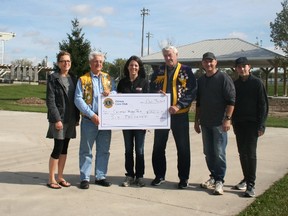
point(57, 100)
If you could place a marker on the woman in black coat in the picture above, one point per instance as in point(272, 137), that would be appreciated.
point(63, 117)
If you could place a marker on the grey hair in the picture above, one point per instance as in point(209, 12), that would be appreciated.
point(169, 47)
point(95, 53)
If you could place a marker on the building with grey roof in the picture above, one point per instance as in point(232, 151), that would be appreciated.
point(226, 51)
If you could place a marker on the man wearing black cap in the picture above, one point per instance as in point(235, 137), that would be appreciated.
point(214, 108)
point(250, 113)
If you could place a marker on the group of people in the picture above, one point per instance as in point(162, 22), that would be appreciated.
point(220, 103)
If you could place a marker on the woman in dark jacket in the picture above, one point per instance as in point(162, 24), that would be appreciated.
point(63, 117)
point(134, 82)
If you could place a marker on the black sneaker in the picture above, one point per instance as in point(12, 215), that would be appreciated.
point(157, 181)
point(241, 185)
point(139, 182)
point(103, 182)
point(84, 184)
point(249, 191)
point(183, 184)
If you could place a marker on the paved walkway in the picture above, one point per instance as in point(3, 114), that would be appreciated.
point(24, 158)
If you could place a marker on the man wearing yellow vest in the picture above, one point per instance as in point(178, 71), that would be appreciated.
point(89, 87)
point(178, 80)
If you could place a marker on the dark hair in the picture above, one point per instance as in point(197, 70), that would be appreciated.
point(62, 53)
point(141, 72)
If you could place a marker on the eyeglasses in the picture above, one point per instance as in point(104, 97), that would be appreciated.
point(65, 61)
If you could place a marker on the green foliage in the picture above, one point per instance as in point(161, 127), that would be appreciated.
point(117, 69)
point(272, 203)
point(279, 29)
point(79, 48)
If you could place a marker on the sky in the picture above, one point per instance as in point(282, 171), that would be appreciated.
point(115, 27)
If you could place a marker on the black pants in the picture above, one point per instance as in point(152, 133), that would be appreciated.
point(60, 147)
point(134, 139)
point(247, 137)
point(180, 130)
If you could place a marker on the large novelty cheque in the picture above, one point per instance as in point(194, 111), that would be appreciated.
point(134, 111)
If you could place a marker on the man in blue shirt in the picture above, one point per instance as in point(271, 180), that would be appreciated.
point(89, 87)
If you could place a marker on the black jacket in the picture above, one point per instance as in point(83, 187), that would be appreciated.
point(251, 102)
point(139, 85)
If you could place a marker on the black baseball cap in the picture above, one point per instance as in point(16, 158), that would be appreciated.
point(208, 55)
point(241, 61)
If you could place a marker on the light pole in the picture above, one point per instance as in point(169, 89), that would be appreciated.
point(148, 35)
point(4, 36)
point(144, 12)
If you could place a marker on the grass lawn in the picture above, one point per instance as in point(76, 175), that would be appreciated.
point(11, 94)
point(274, 202)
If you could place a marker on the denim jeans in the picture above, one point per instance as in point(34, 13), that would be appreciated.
point(89, 135)
point(247, 137)
point(134, 138)
point(214, 147)
point(180, 130)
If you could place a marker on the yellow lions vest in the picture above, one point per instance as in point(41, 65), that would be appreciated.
point(87, 87)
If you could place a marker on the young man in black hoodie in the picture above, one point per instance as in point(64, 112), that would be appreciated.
point(249, 116)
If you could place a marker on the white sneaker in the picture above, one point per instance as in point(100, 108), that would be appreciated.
point(241, 185)
point(218, 188)
point(209, 184)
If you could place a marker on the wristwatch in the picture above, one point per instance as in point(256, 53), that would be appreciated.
point(178, 106)
point(228, 118)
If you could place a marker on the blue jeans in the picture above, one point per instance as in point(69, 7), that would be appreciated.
point(89, 135)
point(137, 136)
point(180, 131)
point(214, 144)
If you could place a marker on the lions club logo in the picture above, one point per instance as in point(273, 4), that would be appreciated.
point(108, 102)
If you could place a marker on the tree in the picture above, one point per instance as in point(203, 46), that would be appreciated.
point(117, 69)
point(279, 29)
point(279, 35)
point(22, 62)
point(78, 47)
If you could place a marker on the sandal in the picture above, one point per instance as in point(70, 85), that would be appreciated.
point(64, 183)
point(54, 185)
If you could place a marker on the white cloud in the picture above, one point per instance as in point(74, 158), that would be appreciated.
point(97, 21)
point(84, 9)
point(106, 10)
point(240, 35)
point(81, 9)
point(31, 33)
